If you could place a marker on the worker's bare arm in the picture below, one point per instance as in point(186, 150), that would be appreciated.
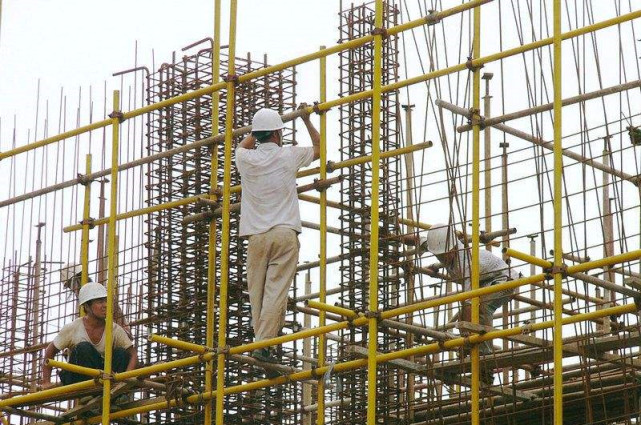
point(249, 142)
point(133, 357)
point(50, 353)
point(313, 133)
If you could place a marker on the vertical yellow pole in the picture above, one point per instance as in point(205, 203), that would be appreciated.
point(373, 247)
point(476, 156)
point(224, 253)
point(323, 237)
point(213, 182)
point(86, 212)
point(111, 268)
point(558, 221)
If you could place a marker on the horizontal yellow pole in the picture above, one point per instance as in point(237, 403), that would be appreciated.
point(44, 142)
point(94, 373)
point(345, 312)
point(162, 367)
point(237, 189)
point(352, 44)
point(382, 358)
point(45, 394)
point(531, 259)
point(176, 343)
point(136, 213)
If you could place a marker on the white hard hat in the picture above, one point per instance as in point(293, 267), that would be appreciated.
point(91, 291)
point(267, 120)
point(69, 272)
point(441, 239)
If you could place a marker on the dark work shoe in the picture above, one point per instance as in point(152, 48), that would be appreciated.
point(263, 355)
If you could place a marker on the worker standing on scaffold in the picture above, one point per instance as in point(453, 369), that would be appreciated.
point(85, 339)
point(270, 219)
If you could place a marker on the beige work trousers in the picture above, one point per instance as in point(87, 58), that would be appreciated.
point(272, 258)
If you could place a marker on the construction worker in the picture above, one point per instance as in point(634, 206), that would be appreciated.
point(270, 218)
point(85, 339)
point(456, 259)
point(70, 277)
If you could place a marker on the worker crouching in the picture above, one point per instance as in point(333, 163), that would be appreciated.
point(84, 338)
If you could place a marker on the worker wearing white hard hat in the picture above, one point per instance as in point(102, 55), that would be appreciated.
point(270, 218)
point(441, 241)
point(71, 275)
point(84, 338)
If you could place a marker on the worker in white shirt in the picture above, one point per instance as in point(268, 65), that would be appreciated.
point(456, 259)
point(270, 218)
point(85, 340)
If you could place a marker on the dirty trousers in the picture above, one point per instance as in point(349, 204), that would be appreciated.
point(272, 258)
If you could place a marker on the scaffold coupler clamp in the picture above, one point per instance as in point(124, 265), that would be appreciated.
point(316, 108)
point(470, 65)
point(231, 78)
point(91, 222)
point(106, 377)
point(373, 315)
point(476, 118)
point(84, 179)
point(551, 271)
point(526, 329)
point(432, 18)
point(223, 350)
point(330, 167)
point(117, 115)
point(382, 31)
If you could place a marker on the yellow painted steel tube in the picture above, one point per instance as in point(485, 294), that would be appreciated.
point(112, 255)
point(213, 183)
point(44, 142)
point(224, 253)
point(476, 177)
point(94, 373)
point(84, 240)
point(558, 218)
point(382, 358)
point(341, 311)
point(246, 77)
point(531, 259)
point(320, 390)
point(372, 342)
point(136, 213)
point(361, 321)
point(237, 189)
point(46, 394)
point(176, 343)
point(344, 100)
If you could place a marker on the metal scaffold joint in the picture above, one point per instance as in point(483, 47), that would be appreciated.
point(117, 115)
point(432, 18)
point(231, 78)
point(382, 31)
point(551, 271)
point(470, 65)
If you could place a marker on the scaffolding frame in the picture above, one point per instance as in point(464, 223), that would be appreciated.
point(373, 316)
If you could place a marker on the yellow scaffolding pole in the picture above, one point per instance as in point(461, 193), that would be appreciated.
point(224, 253)
point(84, 240)
point(329, 166)
point(476, 156)
point(352, 44)
point(558, 219)
point(381, 358)
point(320, 390)
point(93, 373)
point(372, 342)
point(213, 183)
